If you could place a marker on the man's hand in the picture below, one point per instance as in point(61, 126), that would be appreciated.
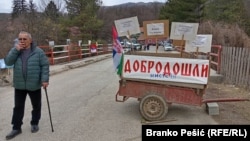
point(18, 47)
point(45, 84)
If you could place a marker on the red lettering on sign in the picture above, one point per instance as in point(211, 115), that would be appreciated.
point(158, 67)
point(204, 71)
point(196, 71)
point(176, 68)
point(150, 65)
point(186, 69)
point(166, 69)
point(127, 67)
point(143, 66)
point(136, 65)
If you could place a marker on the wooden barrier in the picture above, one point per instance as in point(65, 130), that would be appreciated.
point(215, 55)
point(66, 53)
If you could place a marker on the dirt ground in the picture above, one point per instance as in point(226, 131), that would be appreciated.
point(230, 112)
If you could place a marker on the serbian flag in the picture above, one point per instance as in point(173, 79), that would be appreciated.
point(117, 52)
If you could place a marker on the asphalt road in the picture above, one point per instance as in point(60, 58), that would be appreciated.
point(83, 108)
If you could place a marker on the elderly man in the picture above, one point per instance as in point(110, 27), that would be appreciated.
point(31, 72)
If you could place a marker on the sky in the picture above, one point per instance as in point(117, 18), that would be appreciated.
point(6, 5)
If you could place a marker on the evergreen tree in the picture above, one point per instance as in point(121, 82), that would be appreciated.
point(83, 14)
point(19, 7)
point(182, 10)
point(31, 17)
point(32, 9)
point(76, 7)
point(51, 11)
point(230, 11)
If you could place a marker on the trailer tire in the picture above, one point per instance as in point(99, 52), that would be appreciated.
point(153, 107)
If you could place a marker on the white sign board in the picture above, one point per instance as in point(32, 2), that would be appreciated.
point(93, 50)
point(185, 31)
point(67, 41)
point(166, 69)
point(155, 29)
point(51, 43)
point(202, 42)
point(79, 42)
point(3, 65)
point(127, 26)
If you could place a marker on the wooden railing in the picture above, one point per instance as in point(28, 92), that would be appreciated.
point(66, 53)
point(214, 55)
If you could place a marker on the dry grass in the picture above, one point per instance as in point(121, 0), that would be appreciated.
point(234, 112)
point(225, 34)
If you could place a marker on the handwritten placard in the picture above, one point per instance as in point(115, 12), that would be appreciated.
point(156, 28)
point(127, 26)
point(202, 41)
point(185, 31)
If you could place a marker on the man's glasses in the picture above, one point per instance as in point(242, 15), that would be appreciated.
point(20, 39)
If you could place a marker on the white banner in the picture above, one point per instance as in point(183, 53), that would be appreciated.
point(166, 69)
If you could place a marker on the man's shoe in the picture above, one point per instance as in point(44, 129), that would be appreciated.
point(34, 128)
point(13, 133)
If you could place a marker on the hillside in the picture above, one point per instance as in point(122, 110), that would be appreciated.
point(144, 11)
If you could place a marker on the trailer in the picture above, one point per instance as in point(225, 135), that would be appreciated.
point(156, 95)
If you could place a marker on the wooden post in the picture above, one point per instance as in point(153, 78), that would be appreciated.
point(182, 44)
point(132, 48)
point(80, 51)
point(69, 55)
point(197, 52)
point(96, 48)
point(52, 55)
point(209, 64)
point(156, 43)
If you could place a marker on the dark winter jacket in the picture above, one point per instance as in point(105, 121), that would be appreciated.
point(37, 70)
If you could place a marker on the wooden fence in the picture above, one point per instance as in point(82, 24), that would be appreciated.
point(235, 66)
point(67, 53)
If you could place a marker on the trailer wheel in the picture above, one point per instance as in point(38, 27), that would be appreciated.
point(153, 107)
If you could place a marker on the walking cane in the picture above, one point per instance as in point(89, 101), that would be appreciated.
point(49, 109)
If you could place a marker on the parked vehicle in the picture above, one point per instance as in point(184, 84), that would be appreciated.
point(168, 46)
point(136, 45)
point(128, 45)
point(125, 47)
